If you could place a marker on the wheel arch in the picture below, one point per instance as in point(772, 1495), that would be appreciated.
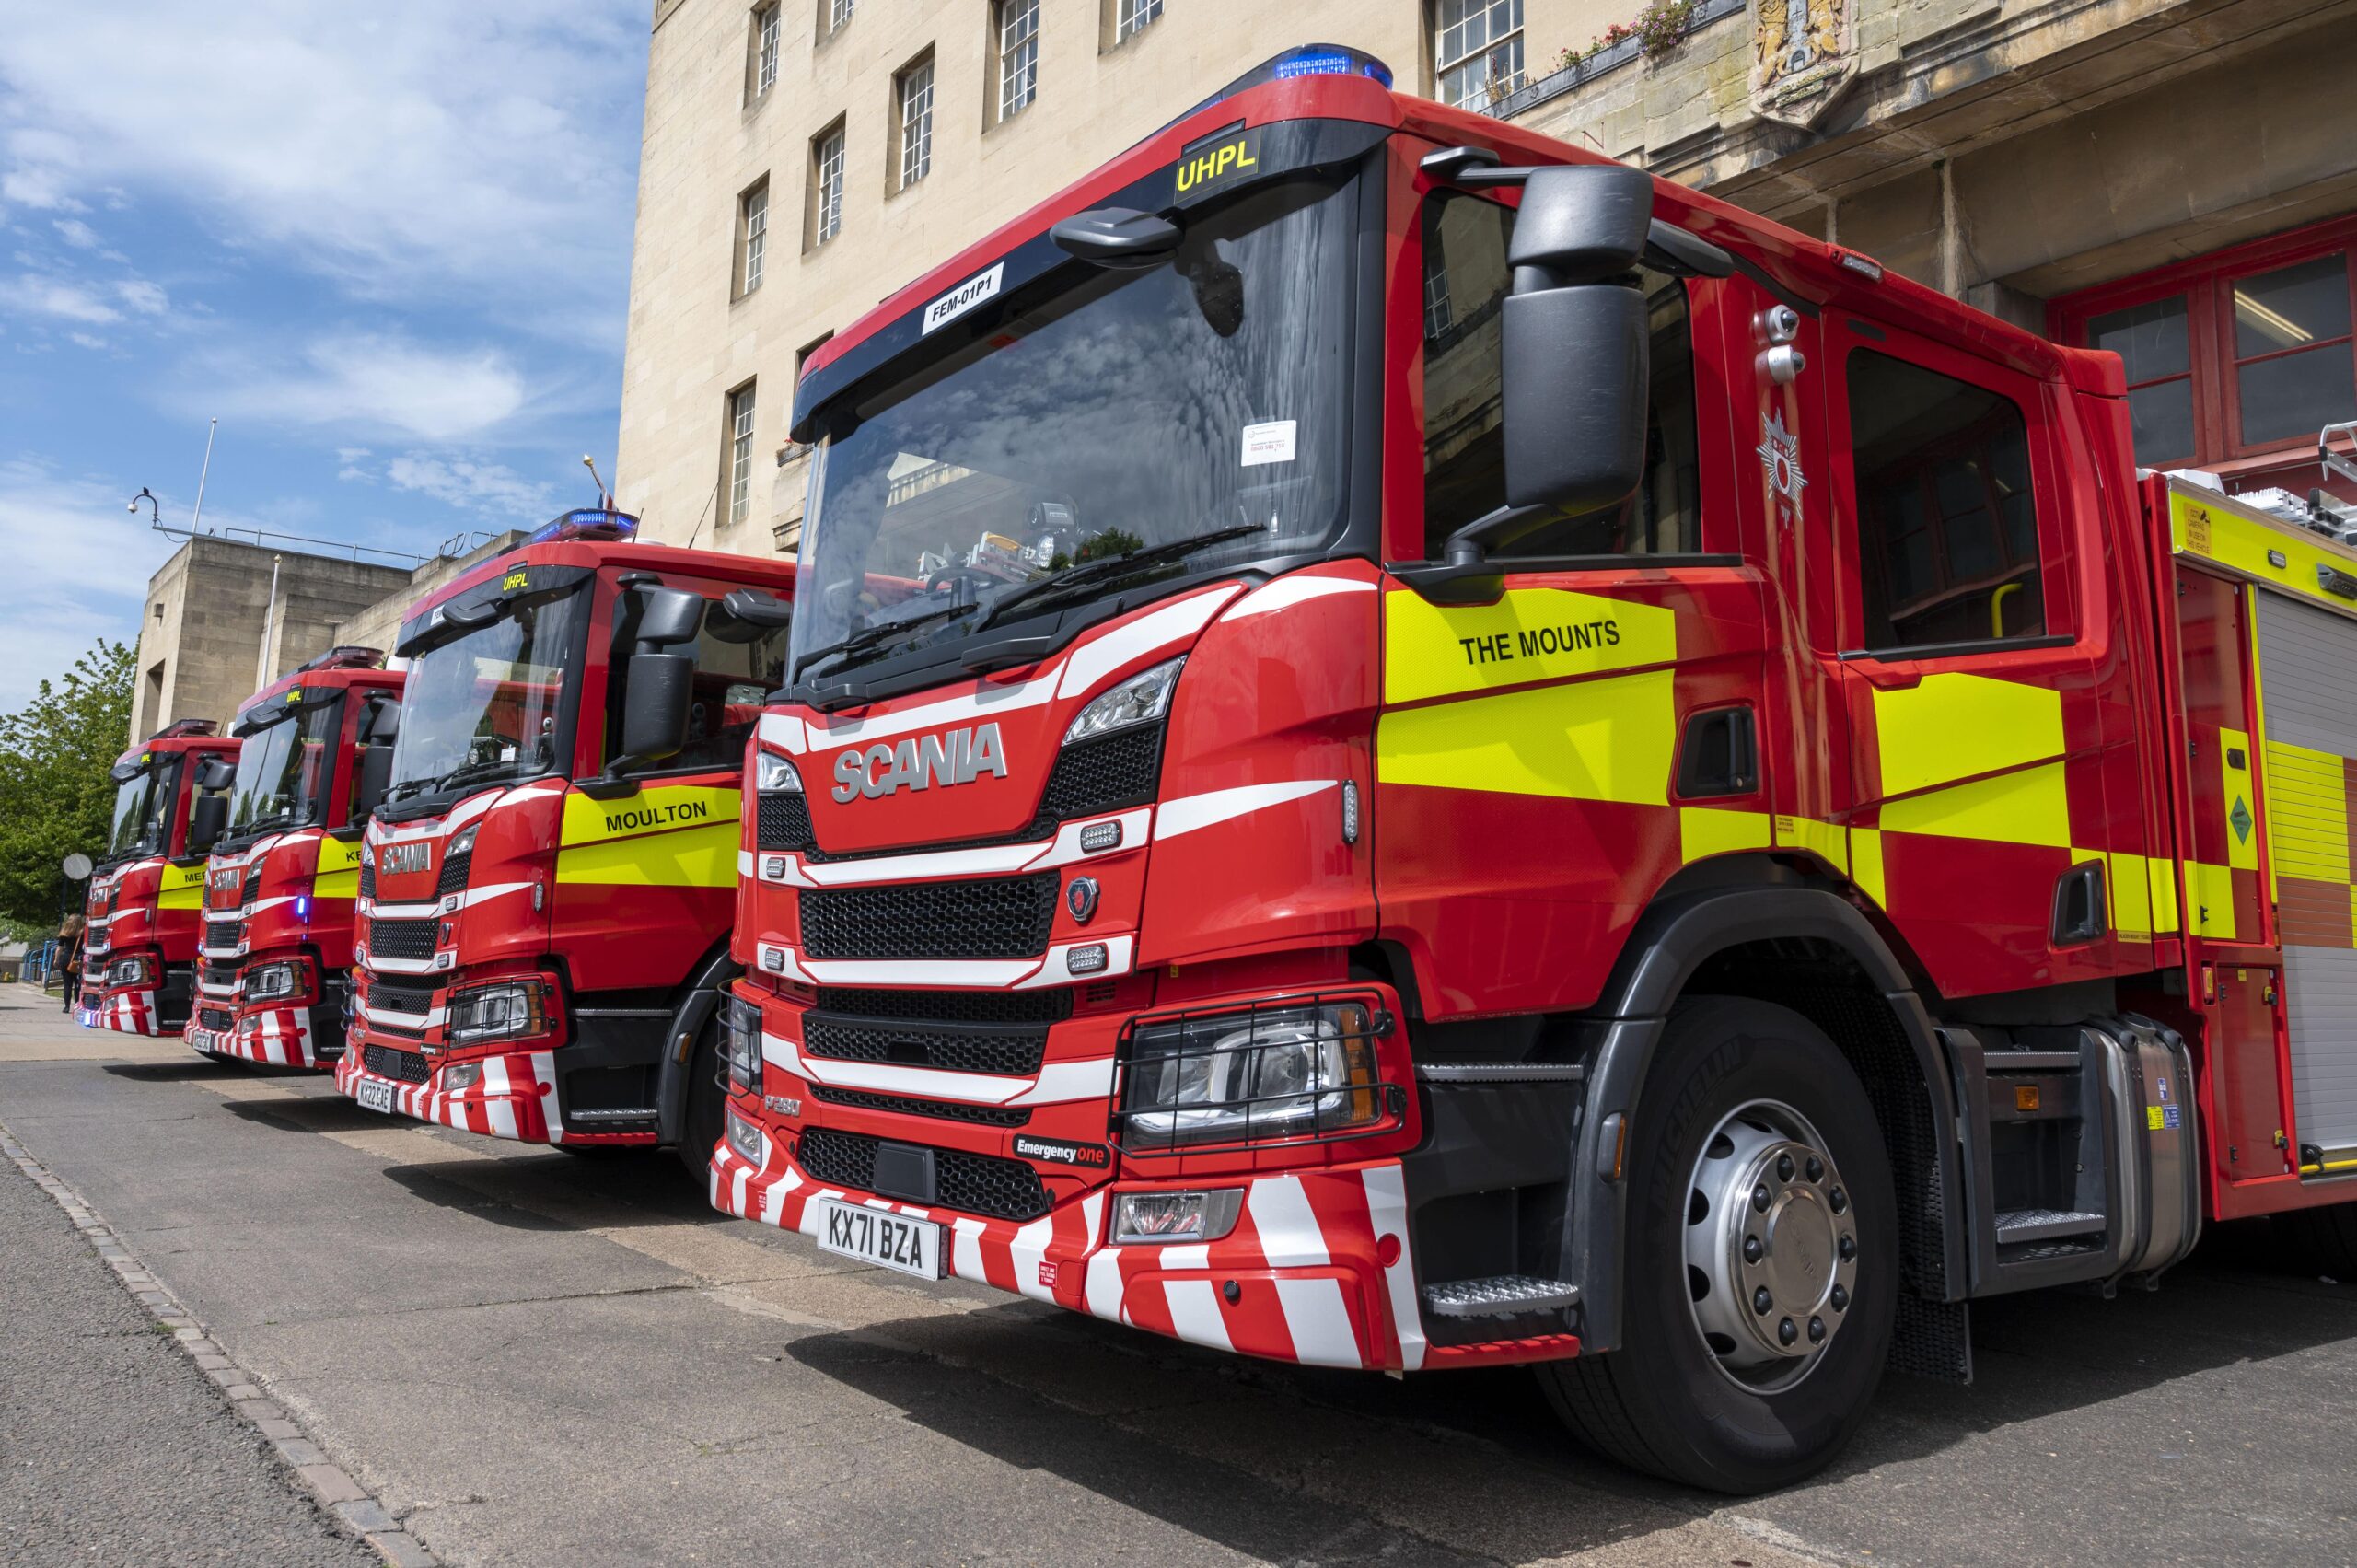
point(1799, 945)
point(693, 1006)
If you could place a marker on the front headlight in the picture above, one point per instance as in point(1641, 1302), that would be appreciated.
point(1141, 699)
point(742, 1044)
point(136, 969)
point(272, 982)
point(1264, 1073)
point(463, 844)
point(500, 1011)
point(772, 774)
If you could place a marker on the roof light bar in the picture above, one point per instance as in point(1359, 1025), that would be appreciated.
point(1307, 59)
point(180, 727)
point(587, 522)
point(344, 656)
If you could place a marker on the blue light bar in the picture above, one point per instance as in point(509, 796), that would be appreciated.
point(587, 522)
point(1323, 60)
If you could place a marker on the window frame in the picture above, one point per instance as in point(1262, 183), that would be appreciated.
point(901, 80)
point(753, 238)
point(1003, 14)
point(2207, 283)
point(2061, 562)
point(826, 202)
point(835, 15)
point(1491, 93)
point(740, 422)
point(1132, 17)
point(769, 28)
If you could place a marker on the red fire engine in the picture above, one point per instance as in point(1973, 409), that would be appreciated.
point(1407, 748)
point(547, 879)
point(138, 959)
point(285, 827)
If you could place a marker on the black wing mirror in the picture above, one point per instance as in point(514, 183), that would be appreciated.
point(207, 815)
point(214, 773)
point(658, 686)
point(1118, 236)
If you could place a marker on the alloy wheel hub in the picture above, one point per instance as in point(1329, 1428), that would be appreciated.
point(1772, 1251)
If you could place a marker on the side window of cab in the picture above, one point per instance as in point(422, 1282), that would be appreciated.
point(1466, 283)
point(733, 679)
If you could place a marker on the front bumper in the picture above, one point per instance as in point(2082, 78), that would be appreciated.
point(516, 1096)
point(1316, 1271)
point(131, 1010)
point(273, 1037)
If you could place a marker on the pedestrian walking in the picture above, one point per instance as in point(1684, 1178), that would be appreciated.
point(69, 948)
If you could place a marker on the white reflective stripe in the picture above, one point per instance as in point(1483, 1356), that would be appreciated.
point(1196, 1256)
point(1062, 1081)
point(744, 863)
point(1194, 1313)
point(966, 1250)
point(970, 1088)
point(783, 731)
point(1387, 1207)
point(1102, 1291)
point(810, 1210)
point(1318, 1321)
point(474, 896)
point(1189, 812)
point(925, 972)
point(1029, 1249)
point(977, 707)
point(377, 910)
point(773, 1199)
point(400, 966)
point(1056, 969)
point(1090, 664)
point(1287, 592)
point(432, 1018)
point(1062, 850)
point(552, 1114)
point(1290, 1237)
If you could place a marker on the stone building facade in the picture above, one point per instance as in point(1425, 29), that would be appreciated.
point(2170, 180)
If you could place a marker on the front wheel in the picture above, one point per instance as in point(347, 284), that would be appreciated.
point(1761, 1259)
point(700, 1116)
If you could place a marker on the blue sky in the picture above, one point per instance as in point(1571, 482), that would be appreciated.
point(388, 248)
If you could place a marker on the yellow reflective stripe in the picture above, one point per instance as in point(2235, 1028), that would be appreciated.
point(1436, 650)
point(666, 835)
point(337, 855)
point(2307, 813)
point(692, 857)
point(2210, 900)
point(1823, 838)
point(2160, 886)
point(1865, 864)
point(1953, 725)
point(2028, 806)
point(1705, 830)
point(181, 887)
point(1607, 739)
point(2218, 532)
point(2129, 888)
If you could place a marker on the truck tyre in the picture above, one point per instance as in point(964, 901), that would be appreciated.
point(2325, 1237)
point(700, 1116)
point(1761, 1259)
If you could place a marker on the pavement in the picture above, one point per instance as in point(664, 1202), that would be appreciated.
point(528, 1356)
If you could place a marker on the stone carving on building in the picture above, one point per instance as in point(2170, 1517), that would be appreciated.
point(1803, 53)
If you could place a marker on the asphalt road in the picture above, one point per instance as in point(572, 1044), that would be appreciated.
point(535, 1357)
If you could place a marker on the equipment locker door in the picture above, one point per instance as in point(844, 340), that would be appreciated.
point(2306, 657)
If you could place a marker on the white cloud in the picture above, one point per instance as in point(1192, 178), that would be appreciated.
point(444, 144)
point(79, 235)
point(36, 295)
point(142, 296)
point(488, 488)
point(77, 570)
point(362, 381)
point(87, 340)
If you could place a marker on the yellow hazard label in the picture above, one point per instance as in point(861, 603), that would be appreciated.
point(2152, 1118)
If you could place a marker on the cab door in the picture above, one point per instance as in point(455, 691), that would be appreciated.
point(1980, 631)
point(1544, 764)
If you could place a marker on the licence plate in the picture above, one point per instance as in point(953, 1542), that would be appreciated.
point(872, 1235)
point(374, 1094)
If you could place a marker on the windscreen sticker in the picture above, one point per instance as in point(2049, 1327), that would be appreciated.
point(1232, 158)
point(1269, 443)
point(962, 298)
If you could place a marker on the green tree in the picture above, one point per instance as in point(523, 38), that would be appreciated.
point(55, 796)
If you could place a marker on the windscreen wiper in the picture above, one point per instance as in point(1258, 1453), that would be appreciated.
point(1089, 571)
point(859, 641)
point(464, 773)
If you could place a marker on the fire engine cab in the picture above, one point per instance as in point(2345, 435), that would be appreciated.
point(138, 958)
point(284, 825)
point(1407, 748)
point(547, 877)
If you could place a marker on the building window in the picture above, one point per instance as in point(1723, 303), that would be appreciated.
point(913, 90)
point(1477, 51)
point(740, 453)
point(1466, 282)
point(753, 231)
point(827, 185)
point(1018, 54)
point(1133, 17)
point(2237, 359)
point(765, 30)
point(1947, 519)
point(838, 13)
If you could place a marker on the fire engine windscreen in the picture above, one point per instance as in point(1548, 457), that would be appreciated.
point(140, 804)
point(1197, 411)
point(488, 705)
point(282, 770)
